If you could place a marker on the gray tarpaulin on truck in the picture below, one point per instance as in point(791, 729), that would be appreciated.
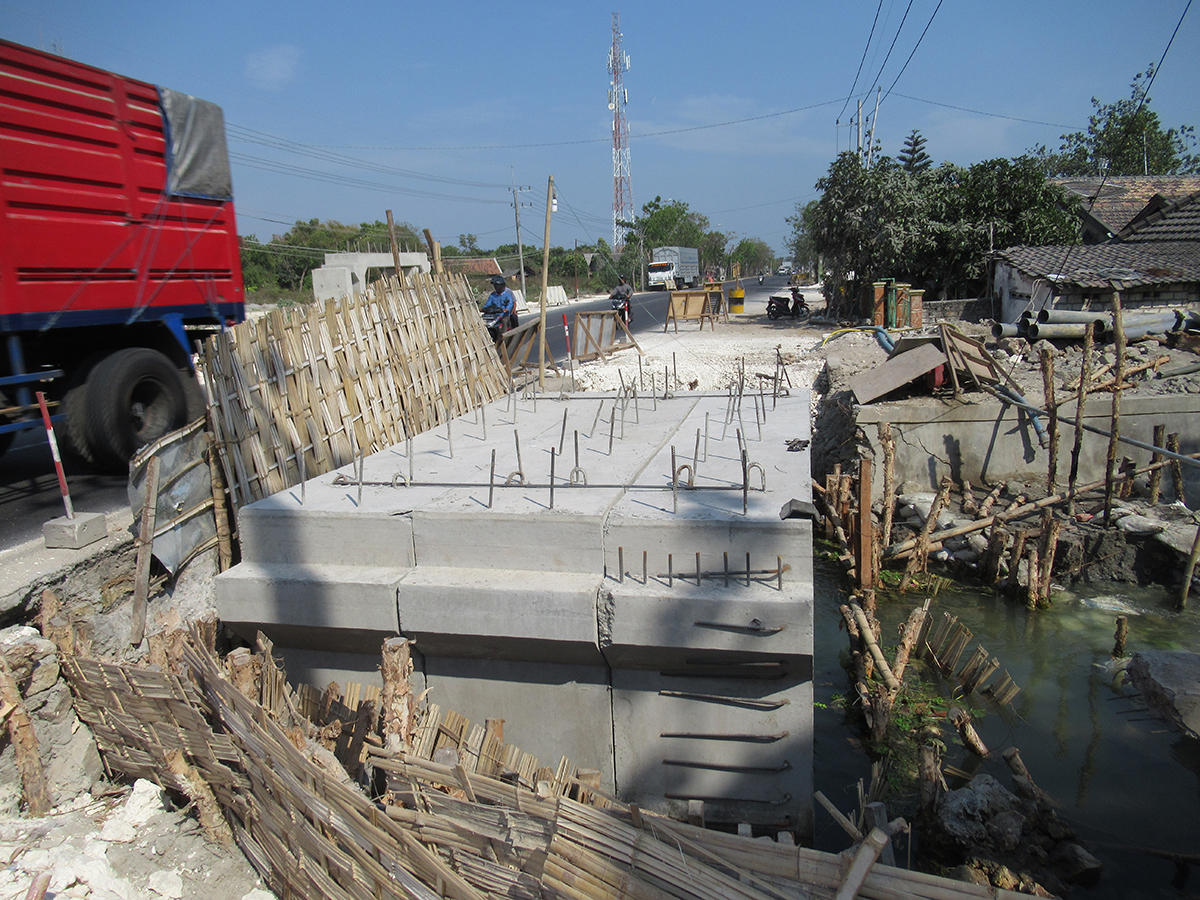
point(197, 158)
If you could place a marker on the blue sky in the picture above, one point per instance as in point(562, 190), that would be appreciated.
point(451, 103)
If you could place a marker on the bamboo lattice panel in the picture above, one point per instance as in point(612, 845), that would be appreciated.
point(301, 392)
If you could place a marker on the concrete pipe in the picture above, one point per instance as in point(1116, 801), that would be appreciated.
point(1072, 317)
point(1070, 331)
point(1006, 330)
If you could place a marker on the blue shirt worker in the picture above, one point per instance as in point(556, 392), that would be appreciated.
point(502, 299)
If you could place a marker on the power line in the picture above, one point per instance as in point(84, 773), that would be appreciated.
point(895, 38)
point(918, 44)
point(861, 61)
point(979, 112)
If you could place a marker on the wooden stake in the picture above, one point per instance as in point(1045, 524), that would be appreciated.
point(192, 784)
point(969, 505)
point(1052, 425)
point(1033, 588)
point(1115, 424)
point(961, 720)
point(866, 531)
point(1013, 582)
point(997, 544)
point(888, 443)
point(1048, 550)
point(397, 705)
point(919, 561)
point(1176, 467)
point(1193, 557)
point(1160, 432)
point(1080, 397)
point(20, 732)
point(141, 577)
point(1119, 637)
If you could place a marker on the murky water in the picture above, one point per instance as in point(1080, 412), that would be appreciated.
point(1122, 778)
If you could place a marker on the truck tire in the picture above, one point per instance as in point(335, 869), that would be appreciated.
point(134, 397)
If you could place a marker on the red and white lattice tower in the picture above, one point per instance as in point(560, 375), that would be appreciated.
point(618, 63)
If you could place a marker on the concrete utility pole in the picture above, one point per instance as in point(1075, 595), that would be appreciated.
point(860, 129)
point(545, 285)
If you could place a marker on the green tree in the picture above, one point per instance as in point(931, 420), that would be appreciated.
point(753, 255)
point(801, 246)
point(932, 229)
point(913, 157)
point(1124, 138)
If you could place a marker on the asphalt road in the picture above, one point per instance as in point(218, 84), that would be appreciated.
point(29, 494)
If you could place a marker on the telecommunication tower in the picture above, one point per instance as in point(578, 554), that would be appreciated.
point(618, 63)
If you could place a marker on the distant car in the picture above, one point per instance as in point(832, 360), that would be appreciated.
point(783, 270)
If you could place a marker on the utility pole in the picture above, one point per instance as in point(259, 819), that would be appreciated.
point(514, 190)
point(860, 129)
point(871, 133)
point(545, 286)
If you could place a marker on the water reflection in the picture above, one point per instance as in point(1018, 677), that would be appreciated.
point(1125, 780)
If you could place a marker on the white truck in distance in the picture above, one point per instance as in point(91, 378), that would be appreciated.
point(679, 264)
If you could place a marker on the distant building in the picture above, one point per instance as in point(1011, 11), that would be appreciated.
point(1153, 259)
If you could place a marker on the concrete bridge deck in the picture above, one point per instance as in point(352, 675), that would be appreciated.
point(574, 613)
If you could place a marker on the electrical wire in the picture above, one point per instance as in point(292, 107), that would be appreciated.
point(861, 61)
point(895, 38)
point(914, 49)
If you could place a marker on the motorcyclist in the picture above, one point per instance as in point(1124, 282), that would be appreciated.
point(501, 300)
point(760, 277)
point(620, 297)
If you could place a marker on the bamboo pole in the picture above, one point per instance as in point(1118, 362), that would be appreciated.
point(1115, 422)
point(1048, 550)
point(1120, 635)
point(1052, 424)
point(868, 637)
point(545, 285)
point(1080, 399)
point(866, 532)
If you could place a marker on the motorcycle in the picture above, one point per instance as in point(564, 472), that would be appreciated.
point(623, 307)
point(498, 323)
point(794, 306)
point(760, 279)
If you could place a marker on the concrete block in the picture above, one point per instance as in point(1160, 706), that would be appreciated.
point(76, 533)
point(335, 608)
point(280, 530)
point(541, 541)
point(501, 613)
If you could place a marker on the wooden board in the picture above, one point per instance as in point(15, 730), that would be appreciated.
point(689, 306)
point(895, 372)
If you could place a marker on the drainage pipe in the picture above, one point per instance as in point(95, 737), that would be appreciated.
point(1010, 395)
point(1006, 330)
point(1058, 331)
point(1071, 317)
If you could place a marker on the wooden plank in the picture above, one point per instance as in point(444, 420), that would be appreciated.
point(893, 373)
point(141, 576)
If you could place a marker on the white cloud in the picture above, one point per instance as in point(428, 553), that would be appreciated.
point(272, 68)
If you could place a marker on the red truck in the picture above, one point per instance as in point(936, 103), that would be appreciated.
point(118, 250)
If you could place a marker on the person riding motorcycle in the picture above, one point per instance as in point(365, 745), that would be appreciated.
point(621, 296)
point(760, 277)
point(502, 301)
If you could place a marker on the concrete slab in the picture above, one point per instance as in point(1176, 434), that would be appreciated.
point(515, 599)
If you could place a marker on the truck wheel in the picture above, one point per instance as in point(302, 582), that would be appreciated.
point(134, 397)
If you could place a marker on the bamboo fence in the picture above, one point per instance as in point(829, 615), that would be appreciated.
point(303, 391)
point(232, 737)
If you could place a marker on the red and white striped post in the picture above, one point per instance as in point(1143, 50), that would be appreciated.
point(62, 477)
point(567, 329)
